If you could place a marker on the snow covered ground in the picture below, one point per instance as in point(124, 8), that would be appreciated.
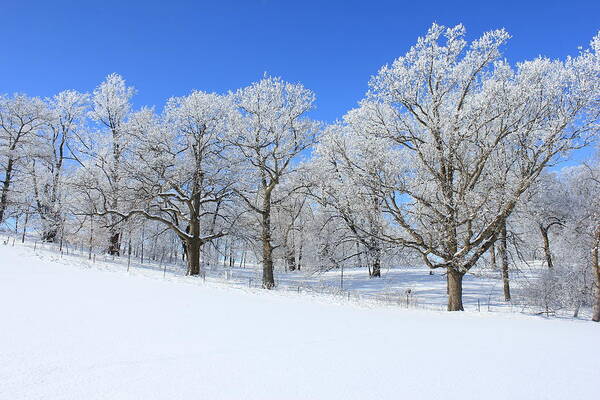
point(482, 288)
point(72, 330)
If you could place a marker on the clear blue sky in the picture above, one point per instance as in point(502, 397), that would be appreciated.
point(167, 48)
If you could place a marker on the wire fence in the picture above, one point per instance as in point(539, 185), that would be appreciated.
point(251, 279)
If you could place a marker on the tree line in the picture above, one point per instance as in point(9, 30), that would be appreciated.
point(448, 161)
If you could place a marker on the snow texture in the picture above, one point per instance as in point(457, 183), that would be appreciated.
point(69, 332)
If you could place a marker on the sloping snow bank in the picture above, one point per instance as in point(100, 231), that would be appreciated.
point(72, 333)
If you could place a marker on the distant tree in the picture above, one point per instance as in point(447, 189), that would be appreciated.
point(20, 119)
point(271, 134)
point(175, 171)
point(344, 167)
point(547, 205)
point(53, 148)
point(287, 216)
point(111, 109)
point(584, 184)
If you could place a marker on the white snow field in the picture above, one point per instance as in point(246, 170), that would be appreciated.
point(71, 332)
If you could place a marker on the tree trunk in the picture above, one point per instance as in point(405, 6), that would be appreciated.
point(455, 279)
point(493, 257)
point(290, 258)
point(5, 188)
point(596, 272)
point(300, 257)
point(375, 262)
point(113, 247)
point(225, 251)
point(268, 279)
point(547, 253)
point(193, 257)
point(231, 257)
point(49, 235)
point(184, 252)
point(503, 252)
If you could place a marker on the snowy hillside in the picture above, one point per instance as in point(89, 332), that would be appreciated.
point(70, 332)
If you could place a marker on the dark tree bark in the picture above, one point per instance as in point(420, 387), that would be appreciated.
point(268, 279)
point(455, 279)
point(547, 253)
point(503, 252)
point(193, 256)
point(114, 244)
point(25, 227)
point(91, 238)
point(375, 253)
point(300, 257)
point(194, 242)
point(5, 187)
point(50, 235)
point(544, 229)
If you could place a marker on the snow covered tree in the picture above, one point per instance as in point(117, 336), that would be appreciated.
point(111, 109)
point(547, 205)
point(175, 171)
point(474, 133)
point(584, 185)
point(270, 135)
point(287, 217)
point(571, 282)
point(55, 146)
point(345, 167)
point(20, 118)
